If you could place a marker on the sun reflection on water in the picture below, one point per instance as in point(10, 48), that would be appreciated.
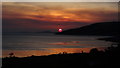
point(46, 51)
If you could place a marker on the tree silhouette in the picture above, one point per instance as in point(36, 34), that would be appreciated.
point(94, 51)
point(11, 54)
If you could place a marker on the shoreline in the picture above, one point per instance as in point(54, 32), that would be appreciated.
point(111, 39)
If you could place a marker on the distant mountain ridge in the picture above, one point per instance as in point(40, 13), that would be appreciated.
point(103, 28)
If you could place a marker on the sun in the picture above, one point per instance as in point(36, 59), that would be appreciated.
point(59, 30)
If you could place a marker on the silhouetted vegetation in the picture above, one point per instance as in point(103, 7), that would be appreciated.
point(109, 58)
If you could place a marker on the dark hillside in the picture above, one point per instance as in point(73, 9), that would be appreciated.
point(104, 28)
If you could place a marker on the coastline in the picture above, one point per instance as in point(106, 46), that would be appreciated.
point(111, 39)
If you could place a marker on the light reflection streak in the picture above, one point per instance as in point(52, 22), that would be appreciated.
point(46, 51)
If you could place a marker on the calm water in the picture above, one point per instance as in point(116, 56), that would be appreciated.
point(45, 44)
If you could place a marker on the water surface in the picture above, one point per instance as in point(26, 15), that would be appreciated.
point(48, 43)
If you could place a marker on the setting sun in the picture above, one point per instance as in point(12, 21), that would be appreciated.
point(60, 30)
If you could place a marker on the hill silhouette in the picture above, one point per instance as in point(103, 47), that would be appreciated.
point(102, 28)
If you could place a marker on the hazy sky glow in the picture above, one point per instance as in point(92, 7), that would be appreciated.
point(43, 16)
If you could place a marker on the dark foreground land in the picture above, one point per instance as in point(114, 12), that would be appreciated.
point(110, 58)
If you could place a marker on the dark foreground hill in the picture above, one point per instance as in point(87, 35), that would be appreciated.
point(104, 28)
point(95, 59)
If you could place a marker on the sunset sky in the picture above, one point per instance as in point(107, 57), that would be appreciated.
point(50, 16)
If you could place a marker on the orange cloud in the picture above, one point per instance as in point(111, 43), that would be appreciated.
point(53, 14)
